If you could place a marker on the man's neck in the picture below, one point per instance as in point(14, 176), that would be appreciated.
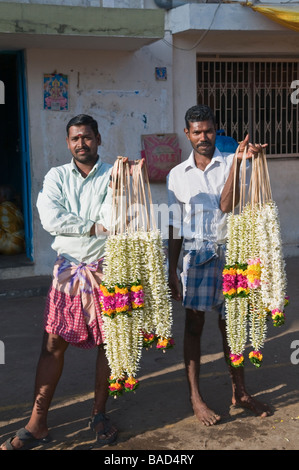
point(201, 161)
point(85, 169)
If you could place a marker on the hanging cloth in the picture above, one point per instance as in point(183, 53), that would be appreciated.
point(287, 16)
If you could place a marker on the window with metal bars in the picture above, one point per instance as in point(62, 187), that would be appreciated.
point(253, 97)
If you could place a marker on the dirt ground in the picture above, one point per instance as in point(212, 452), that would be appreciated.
point(158, 417)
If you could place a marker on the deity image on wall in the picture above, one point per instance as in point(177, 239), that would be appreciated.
point(56, 92)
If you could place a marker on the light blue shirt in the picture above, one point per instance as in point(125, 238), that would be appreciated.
point(70, 204)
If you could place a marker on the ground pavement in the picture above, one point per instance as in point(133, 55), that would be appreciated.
point(158, 416)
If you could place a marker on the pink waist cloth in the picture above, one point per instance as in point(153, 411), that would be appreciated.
point(73, 307)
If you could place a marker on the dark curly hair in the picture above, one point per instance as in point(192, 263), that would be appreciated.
point(83, 120)
point(200, 112)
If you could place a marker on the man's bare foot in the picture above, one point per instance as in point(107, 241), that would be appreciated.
point(250, 403)
point(204, 414)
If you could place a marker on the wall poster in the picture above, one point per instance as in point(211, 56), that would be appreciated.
point(161, 152)
point(56, 92)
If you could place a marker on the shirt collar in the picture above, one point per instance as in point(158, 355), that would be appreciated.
point(217, 157)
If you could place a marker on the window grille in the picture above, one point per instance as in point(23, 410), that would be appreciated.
point(253, 97)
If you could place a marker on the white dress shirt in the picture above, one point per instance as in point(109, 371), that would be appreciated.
point(194, 198)
point(70, 204)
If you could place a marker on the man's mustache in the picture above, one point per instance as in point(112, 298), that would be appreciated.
point(202, 144)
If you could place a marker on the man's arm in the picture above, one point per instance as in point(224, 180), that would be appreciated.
point(55, 218)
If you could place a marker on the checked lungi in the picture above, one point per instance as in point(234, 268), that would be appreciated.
point(73, 308)
point(202, 278)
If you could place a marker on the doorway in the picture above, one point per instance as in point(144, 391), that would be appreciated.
point(15, 187)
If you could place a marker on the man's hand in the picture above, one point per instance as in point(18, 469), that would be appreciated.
point(131, 164)
point(98, 229)
point(252, 150)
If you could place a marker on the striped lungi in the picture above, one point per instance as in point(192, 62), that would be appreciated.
point(73, 308)
point(202, 278)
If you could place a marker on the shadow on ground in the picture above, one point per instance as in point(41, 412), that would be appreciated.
point(158, 416)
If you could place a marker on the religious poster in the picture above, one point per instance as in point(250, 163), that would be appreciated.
point(56, 92)
point(161, 152)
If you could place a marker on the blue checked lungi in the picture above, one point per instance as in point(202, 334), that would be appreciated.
point(202, 277)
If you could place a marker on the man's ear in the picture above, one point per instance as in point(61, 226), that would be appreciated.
point(187, 132)
point(99, 138)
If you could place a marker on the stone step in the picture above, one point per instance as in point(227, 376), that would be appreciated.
point(25, 287)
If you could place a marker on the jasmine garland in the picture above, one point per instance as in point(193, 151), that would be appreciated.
point(254, 280)
point(135, 301)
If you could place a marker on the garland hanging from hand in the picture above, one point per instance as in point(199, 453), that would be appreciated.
point(254, 280)
point(134, 296)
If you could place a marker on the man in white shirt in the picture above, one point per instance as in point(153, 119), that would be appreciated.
point(200, 192)
point(73, 206)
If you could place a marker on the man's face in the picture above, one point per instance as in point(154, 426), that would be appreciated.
point(202, 135)
point(83, 144)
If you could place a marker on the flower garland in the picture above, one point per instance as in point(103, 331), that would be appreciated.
point(254, 280)
point(135, 313)
point(235, 288)
point(160, 313)
point(134, 297)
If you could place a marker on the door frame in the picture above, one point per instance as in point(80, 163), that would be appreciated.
point(25, 152)
point(24, 147)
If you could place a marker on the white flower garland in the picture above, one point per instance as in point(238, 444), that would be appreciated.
point(160, 304)
point(134, 259)
point(236, 307)
point(273, 273)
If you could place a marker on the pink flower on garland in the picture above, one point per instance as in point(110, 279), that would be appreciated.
point(131, 384)
point(229, 283)
point(107, 301)
point(254, 273)
point(278, 317)
point(242, 284)
point(165, 343)
point(148, 339)
point(122, 302)
point(236, 360)
point(256, 358)
point(137, 296)
point(115, 387)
